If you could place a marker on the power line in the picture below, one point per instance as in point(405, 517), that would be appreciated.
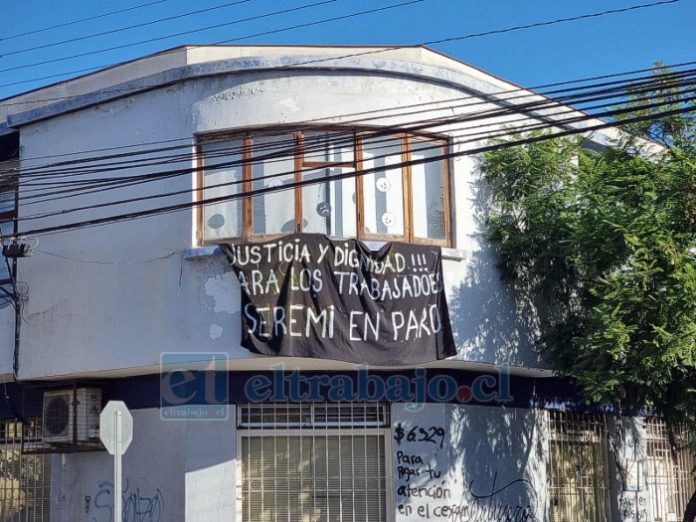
point(473, 137)
point(380, 50)
point(384, 113)
point(553, 22)
point(337, 177)
point(201, 29)
point(74, 22)
point(461, 37)
point(185, 206)
point(107, 184)
point(477, 136)
point(122, 29)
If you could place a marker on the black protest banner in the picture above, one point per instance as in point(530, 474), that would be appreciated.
point(306, 295)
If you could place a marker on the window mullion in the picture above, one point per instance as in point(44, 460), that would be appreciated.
point(449, 240)
point(299, 156)
point(359, 196)
point(200, 192)
point(247, 201)
point(408, 198)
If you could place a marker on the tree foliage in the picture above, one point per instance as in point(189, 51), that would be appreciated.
point(605, 242)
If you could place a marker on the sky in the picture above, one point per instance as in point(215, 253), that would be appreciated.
point(531, 57)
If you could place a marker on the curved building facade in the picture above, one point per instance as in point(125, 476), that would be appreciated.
point(377, 368)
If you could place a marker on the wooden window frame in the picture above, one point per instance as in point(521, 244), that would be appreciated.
point(300, 166)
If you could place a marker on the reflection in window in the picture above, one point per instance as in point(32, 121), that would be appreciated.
point(273, 212)
point(223, 177)
point(329, 207)
point(384, 189)
point(428, 186)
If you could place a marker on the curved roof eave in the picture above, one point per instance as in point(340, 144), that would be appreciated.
point(192, 62)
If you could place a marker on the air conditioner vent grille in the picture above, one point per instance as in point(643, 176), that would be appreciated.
point(57, 415)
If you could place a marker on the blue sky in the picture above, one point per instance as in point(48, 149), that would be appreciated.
point(531, 57)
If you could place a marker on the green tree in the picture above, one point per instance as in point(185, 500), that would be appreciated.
point(605, 244)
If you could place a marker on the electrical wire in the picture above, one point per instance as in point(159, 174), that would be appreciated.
point(38, 192)
point(207, 28)
point(75, 22)
point(111, 184)
point(619, 85)
point(553, 22)
point(410, 163)
point(121, 29)
point(554, 123)
point(473, 138)
point(460, 37)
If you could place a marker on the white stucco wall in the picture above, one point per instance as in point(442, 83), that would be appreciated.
point(7, 331)
point(491, 461)
point(187, 470)
point(174, 470)
point(115, 297)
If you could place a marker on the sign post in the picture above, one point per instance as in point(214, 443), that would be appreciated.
point(116, 433)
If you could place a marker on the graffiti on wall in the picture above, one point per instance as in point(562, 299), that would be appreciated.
point(426, 487)
point(494, 504)
point(138, 506)
point(633, 506)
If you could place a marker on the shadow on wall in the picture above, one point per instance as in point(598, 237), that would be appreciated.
point(491, 322)
point(499, 456)
point(490, 465)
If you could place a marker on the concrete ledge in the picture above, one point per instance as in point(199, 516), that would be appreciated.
point(202, 251)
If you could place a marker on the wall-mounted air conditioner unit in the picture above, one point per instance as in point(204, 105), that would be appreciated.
point(71, 415)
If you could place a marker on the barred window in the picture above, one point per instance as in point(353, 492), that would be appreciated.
point(669, 479)
point(313, 461)
point(25, 480)
point(390, 202)
point(578, 467)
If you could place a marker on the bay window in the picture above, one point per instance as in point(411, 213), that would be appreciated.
point(302, 181)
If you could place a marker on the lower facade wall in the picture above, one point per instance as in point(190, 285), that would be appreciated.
point(490, 465)
point(174, 471)
point(441, 462)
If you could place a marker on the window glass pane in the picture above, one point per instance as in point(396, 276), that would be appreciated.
point(428, 189)
point(222, 220)
point(328, 146)
point(383, 190)
point(329, 208)
point(273, 212)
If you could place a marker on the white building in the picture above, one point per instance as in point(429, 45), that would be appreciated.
point(100, 305)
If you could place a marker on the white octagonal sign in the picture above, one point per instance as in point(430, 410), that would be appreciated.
point(108, 420)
